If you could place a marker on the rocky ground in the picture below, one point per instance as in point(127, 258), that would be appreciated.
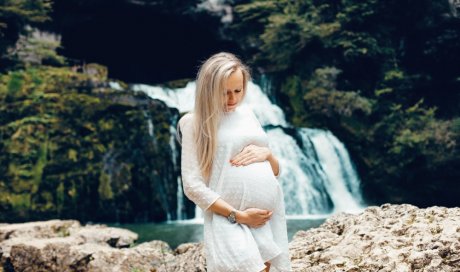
point(386, 238)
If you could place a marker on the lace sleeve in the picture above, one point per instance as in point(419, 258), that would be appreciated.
point(194, 185)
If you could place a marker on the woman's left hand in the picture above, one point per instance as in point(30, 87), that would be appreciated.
point(250, 154)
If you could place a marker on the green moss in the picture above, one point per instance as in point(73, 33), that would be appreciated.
point(19, 202)
point(105, 189)
point(15, 84)
point(60, 133)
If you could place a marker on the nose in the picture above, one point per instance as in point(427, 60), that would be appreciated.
point(230, 97)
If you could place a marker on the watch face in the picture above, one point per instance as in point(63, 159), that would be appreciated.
point(232, 218)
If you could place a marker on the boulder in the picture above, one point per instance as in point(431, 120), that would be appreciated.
point(386, 238)
point(189, 257)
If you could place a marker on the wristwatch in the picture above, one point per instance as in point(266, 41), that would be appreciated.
point(232, 216)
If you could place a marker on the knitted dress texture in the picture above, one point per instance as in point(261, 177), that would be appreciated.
point(236, 247)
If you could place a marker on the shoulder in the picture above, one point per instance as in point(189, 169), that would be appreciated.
point(186, 121)
point(186, 118)
point(184, 127)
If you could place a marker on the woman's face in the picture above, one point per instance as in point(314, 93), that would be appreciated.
point(234, 90)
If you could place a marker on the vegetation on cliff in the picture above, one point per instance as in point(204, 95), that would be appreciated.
point(71, 147)
point(383, 76)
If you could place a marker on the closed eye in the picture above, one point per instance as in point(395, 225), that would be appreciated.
point(236, 91)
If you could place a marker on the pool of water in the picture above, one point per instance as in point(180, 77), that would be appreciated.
point(179, 232)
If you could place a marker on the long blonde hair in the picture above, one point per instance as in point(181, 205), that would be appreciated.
point(209, 103)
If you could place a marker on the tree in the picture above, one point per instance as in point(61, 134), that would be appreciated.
point(16, 14)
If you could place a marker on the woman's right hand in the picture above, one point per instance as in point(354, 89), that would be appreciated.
point(253, 217)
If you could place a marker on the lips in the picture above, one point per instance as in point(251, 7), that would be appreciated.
point(230, 105)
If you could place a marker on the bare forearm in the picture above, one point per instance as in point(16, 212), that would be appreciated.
point(221, 207)
point(274, 164)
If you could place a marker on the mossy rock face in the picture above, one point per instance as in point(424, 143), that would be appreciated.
point(70, 150)
point(96, 71)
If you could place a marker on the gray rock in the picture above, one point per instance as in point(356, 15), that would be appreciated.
point(52, 254)
point(190, 257)
point(114, 237)
point(42, 229)
point(386, 238)
point(65, 245)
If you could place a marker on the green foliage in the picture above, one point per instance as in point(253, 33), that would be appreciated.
point(23, 12)
point(382, 75)
point(36, 47)
point(73, 148)
point(332, 103)
point(16, 14)
point(284, 29)
point(105, 190)
point(416, 132)
point(322, 100)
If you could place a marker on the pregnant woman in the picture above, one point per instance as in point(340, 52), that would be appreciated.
point(229, 171)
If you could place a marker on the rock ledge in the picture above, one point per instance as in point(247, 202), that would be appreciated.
point(388, 238)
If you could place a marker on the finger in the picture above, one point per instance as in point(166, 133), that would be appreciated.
point(263, 212)
point(249, 151)
point(238, 156)
point(254, 156)
point(247, 161)
point(242, 157)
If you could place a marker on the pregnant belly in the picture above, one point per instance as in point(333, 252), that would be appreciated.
point(251, 186)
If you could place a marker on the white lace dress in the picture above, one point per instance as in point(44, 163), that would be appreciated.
point(237, 247)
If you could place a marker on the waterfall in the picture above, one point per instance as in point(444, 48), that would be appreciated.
point(175, 155)
point(318, 177)
point(219, 8)
point(454, 7)
point(151, 131)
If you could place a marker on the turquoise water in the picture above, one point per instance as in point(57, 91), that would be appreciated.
point(176, 233)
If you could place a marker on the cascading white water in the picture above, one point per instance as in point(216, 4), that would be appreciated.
point(318, 177)
point(340, 179)
point(218, 7)
point(151, 131)
point(301, 177)
point(175, 154)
